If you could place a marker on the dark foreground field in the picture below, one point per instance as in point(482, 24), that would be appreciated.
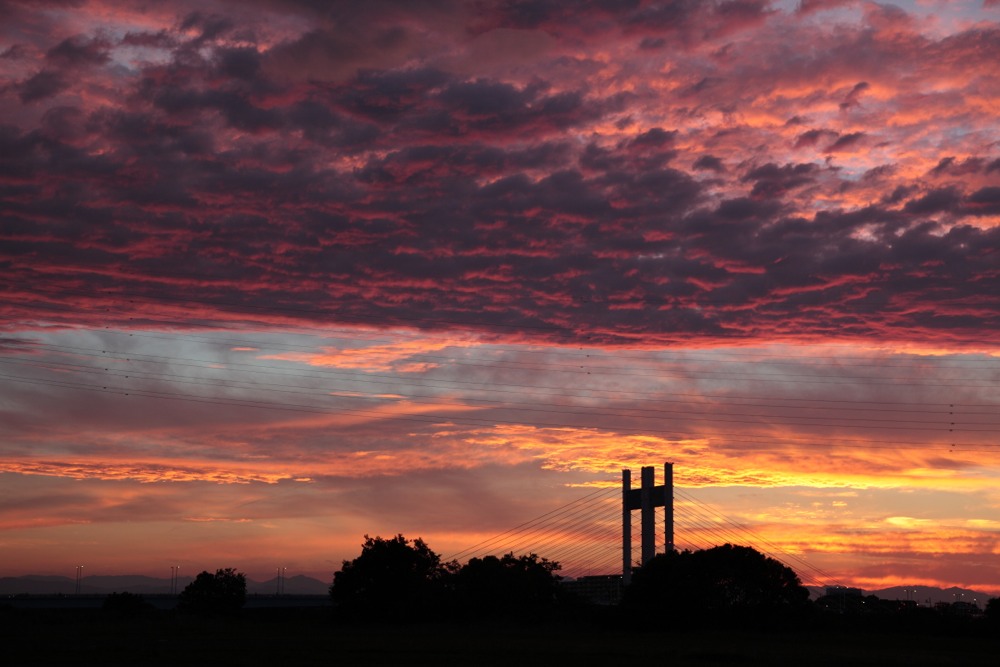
point(313, 637)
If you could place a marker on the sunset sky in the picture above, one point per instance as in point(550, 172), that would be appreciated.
point(279, 274)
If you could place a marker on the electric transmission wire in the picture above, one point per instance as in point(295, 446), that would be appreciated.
point(742, 529)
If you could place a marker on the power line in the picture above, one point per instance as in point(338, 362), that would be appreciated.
point(663, 362)
point(537, 407)
point(758, 538)
point(434, 419)
point(582, 535)
point(886, 406)
point(605, 355)
point(562, 409)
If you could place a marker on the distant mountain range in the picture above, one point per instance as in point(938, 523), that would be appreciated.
point(141, 585)
point(302, 585)
point(922, 595)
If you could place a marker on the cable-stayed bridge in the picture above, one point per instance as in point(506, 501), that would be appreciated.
point(586, 536)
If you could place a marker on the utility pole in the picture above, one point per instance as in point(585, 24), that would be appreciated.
point(280, 582)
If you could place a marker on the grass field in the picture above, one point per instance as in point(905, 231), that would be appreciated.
point(312, 637)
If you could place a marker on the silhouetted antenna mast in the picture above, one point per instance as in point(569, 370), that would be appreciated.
point(79, 578)
point(279, 582)
point(175, 571)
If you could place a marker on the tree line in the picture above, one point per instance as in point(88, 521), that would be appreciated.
point(399, 580)
point(396, 579)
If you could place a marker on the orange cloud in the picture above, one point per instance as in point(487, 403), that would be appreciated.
point(395, 356)
point(146, 471)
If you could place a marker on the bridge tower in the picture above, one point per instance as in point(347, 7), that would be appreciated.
point(646, 498)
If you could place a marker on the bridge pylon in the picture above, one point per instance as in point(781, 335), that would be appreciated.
point(646, 498)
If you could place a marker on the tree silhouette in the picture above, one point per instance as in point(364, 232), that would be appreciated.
point(492, 586)
point(722, 581)
point(391, 579)
point(992, 611)
point(222, 592)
